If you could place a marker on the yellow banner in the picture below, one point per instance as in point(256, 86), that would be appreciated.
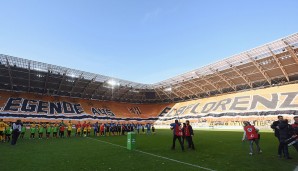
point(267, 101)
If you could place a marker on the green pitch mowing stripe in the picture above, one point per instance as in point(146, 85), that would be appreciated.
point(166, 158)
point(217, 150)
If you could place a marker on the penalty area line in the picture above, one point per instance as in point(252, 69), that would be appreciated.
point(158, 156)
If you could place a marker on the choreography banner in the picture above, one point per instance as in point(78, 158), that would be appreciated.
point(268, 101)
point(34, 106)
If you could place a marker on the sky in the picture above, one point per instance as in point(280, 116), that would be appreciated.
point(144, 41)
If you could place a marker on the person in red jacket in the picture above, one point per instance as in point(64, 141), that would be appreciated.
point(295, 132)
point(251, 134)
point(177, 134)
point(188, 132)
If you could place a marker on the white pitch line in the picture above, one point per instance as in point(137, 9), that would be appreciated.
point(166, 158)
point(296, 169)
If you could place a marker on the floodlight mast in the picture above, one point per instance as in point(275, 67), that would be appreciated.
point(113, 84)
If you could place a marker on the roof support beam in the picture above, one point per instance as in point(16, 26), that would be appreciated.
point(46, 82)
point(108, 90)
point(157, 93)
point(9, 73)
point(180, 92)
point(136, 93)
point(29, 76)
point(126, 92)
point(173, 92)
point(186, 88)
point(224, 78)
point(118, 90)
point(204, 90)
point(166, 93)
point(209, 82)
point(95, 90)
point(87, 86)
point(76, 83)
point(62, 80)
point(212, 84)
point(262, 71)
point(291, 51)
point(280, 65)
point(242, 75)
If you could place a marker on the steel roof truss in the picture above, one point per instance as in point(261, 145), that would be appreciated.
point(76, 83)
point(242, 75)
point(280, 65)
point(291, 52)
point(62, 80)
point(224, 78)
point(9, 72)
point(29, 77)
point(262, 71)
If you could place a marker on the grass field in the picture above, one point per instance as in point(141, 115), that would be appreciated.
point(215, 150)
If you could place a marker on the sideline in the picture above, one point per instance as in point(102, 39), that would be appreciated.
point(166, 158)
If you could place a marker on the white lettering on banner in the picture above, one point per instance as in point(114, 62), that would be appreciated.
point(248, 103)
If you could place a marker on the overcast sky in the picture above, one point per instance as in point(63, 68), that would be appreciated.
point(144, 41)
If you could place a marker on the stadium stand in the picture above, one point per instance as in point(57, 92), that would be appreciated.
point(257, 84)
point(42, 108)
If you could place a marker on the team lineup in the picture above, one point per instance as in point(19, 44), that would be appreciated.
point(61, 130)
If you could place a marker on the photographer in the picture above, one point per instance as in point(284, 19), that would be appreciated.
point(275, 127)
point(16, 129)
point(285, 131)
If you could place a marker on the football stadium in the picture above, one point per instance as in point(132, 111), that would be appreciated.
point(256, 85)
point(61, 118)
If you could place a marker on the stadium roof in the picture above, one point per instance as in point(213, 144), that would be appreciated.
point(271, 64)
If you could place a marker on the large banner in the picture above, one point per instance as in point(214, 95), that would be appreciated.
point(261, 102)
point(44, 108)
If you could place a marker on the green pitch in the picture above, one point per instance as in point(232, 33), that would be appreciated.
point(215, 150)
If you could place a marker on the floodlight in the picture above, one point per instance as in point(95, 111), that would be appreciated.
point(168, 89)
point(113, 83)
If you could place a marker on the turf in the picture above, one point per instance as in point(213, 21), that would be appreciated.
point(216, 150)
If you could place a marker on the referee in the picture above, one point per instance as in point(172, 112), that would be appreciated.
point(16, 129)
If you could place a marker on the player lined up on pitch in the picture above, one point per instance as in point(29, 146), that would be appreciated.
point(57, 130)
point(8, 130)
